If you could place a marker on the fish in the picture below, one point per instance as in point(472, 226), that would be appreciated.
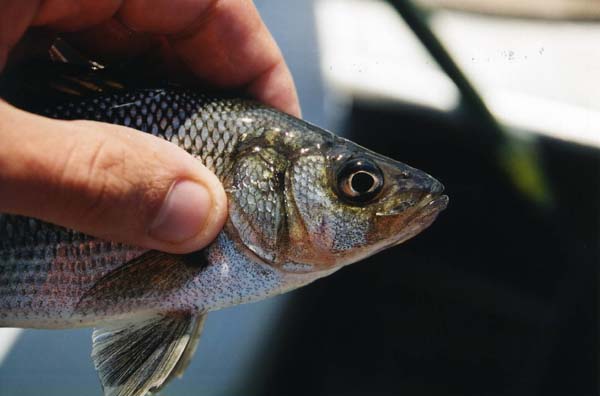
point(302, 201)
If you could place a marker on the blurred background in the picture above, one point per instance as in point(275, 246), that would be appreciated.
point(499, 296)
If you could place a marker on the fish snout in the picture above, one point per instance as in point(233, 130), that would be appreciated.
point(435, 187)
point(432, 197)
point(418, 191)
point(418, 182)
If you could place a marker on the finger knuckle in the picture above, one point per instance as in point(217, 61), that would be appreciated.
point(98, 171)
point(104, 178)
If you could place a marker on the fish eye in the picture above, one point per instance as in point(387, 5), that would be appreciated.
point(359, 181)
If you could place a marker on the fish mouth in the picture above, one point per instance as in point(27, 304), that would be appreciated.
point(425, 204)
point(435, 203)
point(425, 213)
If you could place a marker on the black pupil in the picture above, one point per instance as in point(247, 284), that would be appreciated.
point(362, 182)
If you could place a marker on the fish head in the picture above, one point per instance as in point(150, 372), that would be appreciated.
point(317, 208)
point(350, 203)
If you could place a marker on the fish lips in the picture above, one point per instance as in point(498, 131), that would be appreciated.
point(429, 209)
point(417, 216)
point(425, 214)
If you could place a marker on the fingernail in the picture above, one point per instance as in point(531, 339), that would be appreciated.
point(183, 213)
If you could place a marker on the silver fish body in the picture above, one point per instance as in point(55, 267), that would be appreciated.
point(45, 270)
point(302, 204)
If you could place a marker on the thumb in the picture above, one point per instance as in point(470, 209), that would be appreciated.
point(108, 181)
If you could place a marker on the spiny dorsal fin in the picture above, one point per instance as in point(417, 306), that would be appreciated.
point(62, 76)
point(134, 358)
point(66, 75)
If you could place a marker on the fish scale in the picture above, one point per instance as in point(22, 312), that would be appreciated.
point(34, 253)
point(46, 268)
point(294, 217)
point(170, 116)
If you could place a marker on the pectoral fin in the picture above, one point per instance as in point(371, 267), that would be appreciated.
point(135, 358)
point(153, 275)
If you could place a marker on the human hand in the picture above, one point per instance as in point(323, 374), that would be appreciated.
point(114, 182)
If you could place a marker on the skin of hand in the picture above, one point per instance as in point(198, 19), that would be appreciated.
point(114, 182)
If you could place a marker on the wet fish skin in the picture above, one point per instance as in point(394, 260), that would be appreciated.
point(294, 216)
point(46, 269)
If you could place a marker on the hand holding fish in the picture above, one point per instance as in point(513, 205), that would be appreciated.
point(297, 203)
point(75, 173)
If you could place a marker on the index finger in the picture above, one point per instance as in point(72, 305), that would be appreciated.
point(224, 42)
